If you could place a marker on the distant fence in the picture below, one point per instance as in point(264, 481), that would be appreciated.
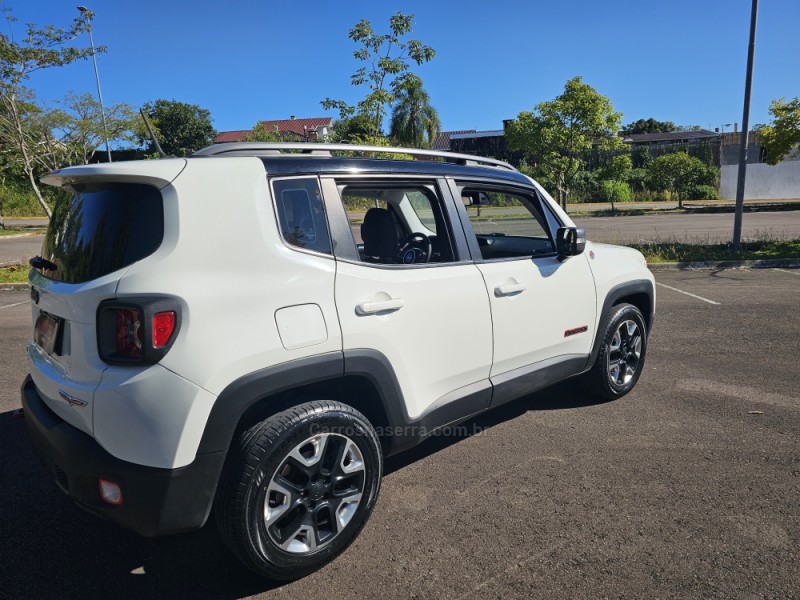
point(763, 180)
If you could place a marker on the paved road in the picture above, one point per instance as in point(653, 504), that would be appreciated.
point(688, 487)
point(697, 228)
point(19, 248)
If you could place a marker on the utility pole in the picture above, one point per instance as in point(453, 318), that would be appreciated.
point(737, 220)
point(88, 16)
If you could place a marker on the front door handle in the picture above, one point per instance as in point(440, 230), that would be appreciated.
point(379, 306)
point(509, 289)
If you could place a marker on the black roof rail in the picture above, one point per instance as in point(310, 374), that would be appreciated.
point(321, 149)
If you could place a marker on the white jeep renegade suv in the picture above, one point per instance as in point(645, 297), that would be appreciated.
point(252, 329)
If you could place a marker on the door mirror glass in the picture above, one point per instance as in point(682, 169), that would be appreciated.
point(570, 241)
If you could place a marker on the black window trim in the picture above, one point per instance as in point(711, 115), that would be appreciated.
point(274, 202)
point(457, 184)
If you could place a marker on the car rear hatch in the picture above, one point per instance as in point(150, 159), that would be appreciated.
point(108, 218)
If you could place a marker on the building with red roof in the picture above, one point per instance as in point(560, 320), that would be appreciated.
point(293, 129)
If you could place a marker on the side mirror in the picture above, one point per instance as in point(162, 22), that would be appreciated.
point(570, 241)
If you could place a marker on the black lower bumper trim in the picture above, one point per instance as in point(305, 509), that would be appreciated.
point(154, 501)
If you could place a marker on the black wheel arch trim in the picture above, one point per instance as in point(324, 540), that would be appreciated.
point(614, 295)
point(240, 395)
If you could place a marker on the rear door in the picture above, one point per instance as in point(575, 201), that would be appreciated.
point(426, 310)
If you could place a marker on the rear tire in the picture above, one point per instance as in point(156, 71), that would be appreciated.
point(298, 488)
point(620, 360)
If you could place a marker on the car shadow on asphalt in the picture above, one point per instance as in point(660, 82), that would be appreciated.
point(563, 396)
point(52, 548)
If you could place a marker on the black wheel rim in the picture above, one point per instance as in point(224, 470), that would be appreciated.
point(314, 493)
point(624, 353)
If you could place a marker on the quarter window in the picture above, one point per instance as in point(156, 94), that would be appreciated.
point(301, 214)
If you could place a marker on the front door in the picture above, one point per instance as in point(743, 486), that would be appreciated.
point(543, 307)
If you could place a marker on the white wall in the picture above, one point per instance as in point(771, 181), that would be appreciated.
point(763, 180)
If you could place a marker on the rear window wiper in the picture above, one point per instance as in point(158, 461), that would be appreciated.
point(37, 262)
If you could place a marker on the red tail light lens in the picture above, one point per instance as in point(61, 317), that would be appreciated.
point(137, 330)
point(129, 333)
point(163, 326)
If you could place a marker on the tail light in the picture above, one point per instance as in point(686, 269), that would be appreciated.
point(136, 331)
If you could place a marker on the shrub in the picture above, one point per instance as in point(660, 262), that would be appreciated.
point(585, 187)
point(637, 179)
point(618, 191)
point(703, 192)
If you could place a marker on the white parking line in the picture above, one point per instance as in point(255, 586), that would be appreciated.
point(17, 304)
point(669, 287)
point(787, 271)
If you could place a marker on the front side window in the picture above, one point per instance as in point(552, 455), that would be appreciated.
point(301, 214)
point(397, 224)
point(507, 223)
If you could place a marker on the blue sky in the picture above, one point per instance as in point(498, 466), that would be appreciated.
point(676, 60)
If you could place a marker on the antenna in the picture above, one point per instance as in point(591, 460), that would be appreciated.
point(161, 153)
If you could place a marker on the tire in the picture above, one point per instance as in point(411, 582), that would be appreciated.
point(620, 360)
point(299, 488)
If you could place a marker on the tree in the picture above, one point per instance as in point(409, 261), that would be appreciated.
point(414, 121)
point(557, 134)
point(616, 174)
point(262, 132)
point(80, 125)
point(386, 68)
point(783, 135)
point(351, 128)
point(42, 48)
point(649, 126)
point(678, 173)
point(181, 128)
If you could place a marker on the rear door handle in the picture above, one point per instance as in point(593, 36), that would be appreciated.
point(379, 306)
point(509, 289)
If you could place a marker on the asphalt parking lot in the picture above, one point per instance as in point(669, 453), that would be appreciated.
point(688, 487)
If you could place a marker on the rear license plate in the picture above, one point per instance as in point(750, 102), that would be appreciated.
point(46, 331)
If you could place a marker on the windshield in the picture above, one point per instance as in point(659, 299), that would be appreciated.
point(101, 228)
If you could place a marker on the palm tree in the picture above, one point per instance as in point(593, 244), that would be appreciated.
point(414, 121)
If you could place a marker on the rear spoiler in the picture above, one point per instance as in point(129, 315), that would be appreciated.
point(159, 173)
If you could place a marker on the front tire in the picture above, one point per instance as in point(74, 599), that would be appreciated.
point(299, 488)
point(620, 360)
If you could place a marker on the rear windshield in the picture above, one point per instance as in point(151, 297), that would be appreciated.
point(102, 227)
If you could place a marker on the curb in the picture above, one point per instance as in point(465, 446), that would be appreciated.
point(14, 287)
point(767, 263)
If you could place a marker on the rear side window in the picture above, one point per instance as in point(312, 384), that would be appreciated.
point(101, 228)
point(301, 214)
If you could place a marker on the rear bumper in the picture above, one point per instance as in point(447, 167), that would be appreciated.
point(154, 501)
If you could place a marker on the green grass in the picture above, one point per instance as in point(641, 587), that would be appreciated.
point(16, 202)
point(14, 274)
point(21, 230)
point(660, 252)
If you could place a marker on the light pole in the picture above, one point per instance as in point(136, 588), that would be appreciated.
point(748, 83)
point(88, 16)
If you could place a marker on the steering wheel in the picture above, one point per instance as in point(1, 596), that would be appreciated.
point(414, 248)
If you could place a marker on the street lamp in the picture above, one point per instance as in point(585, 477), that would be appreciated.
point(88, 16)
